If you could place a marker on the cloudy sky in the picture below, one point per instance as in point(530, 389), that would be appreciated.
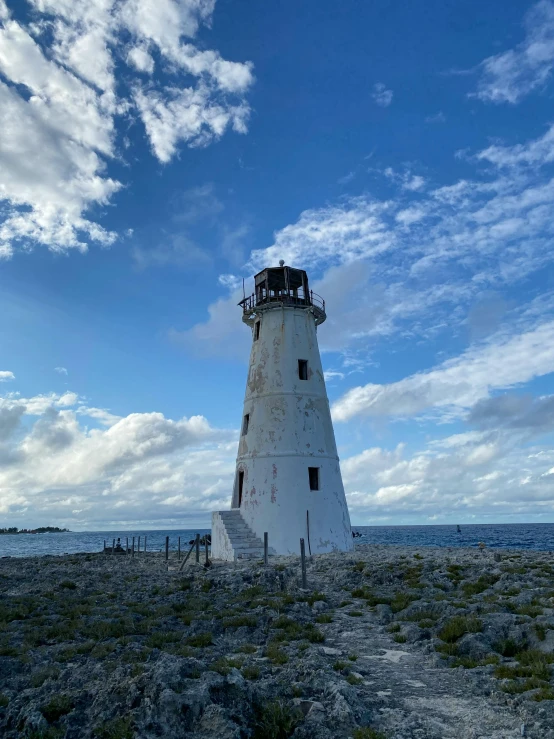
point(153, 153)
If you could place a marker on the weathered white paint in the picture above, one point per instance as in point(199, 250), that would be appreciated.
point(289, 430)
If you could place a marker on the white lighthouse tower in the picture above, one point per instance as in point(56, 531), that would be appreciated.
point(288, 481)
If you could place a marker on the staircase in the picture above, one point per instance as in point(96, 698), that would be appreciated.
point(232, 538)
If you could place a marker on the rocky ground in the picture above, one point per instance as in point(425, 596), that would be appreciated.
point(386, 643)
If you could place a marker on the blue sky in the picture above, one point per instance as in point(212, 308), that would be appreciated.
point(155, 153)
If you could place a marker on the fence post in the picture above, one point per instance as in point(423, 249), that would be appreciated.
point(303, 561)
point(197, 547)
point(265, 548)
point(206, 546)
point(126, 545)
point(133, 550)
point(113, 547)
point(104, 545)
point(179, 549)
point(138, 547)
point(166, 548)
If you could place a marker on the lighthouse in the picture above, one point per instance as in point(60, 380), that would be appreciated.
point(287, 481)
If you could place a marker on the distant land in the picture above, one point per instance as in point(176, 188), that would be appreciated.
point(40, 530)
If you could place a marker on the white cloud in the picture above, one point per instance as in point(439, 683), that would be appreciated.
point(482, 480)
point(6, 375)
point(537, 152)
point(124, 472)
point(436, 118)
point(509, 76)
point(60, 106)
point(139, 57)
point(188, 115)
point(60, 370)
point(381, 95)
point(341, 233)
point(459, 383)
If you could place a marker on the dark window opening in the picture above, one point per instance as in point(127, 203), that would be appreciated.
point(303, 369)
point(256, 331)
point(313, 473)
point(241, 483)
point(245, 423)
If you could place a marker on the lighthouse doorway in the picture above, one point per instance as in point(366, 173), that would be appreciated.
point(241, 483)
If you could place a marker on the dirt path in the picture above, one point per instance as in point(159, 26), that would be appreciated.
point(412, 696)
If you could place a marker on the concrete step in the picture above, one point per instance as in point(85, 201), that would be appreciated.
point(242, 542)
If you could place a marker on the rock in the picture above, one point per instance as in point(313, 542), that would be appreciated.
point(474, 646)
point(412, 632)
point(383, 613)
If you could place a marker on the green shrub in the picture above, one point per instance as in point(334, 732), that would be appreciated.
point(4, 700)
point(251, 672)
point(422, 614)
point(39, 677)
point(544, 694)
point(515, 686)
point(401, 601)
point(426, 623)
point(52, 732)
point(68, 585)
point(359, 567)
point(393, 628)
point(58, 706)
point(313, 635)
point(247, 648)
point(353, 657)
point(355, 614)
point(507, 647)
point(480, 585)
point(117, 728)
point(275, 654)
point(353, 679)
point(399, 638)
point(469, 663)
point(450, 650)
point(204, 639)
point(276, 720)
point(160, 639)
point(529, 610)
point(238, 621)
point(457, 626)
point(540, 631)
point(339, 665)
point(324, 618)
point(366, 732)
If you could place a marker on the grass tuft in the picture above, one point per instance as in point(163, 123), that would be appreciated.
point(457, 626)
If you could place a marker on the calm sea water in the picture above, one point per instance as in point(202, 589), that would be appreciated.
point(510, 536)
point(30, 545)
point(507, 536)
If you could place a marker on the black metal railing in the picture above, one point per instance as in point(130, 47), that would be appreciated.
point(253, 301)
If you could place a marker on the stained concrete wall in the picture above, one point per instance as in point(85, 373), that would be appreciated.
point(289, 430)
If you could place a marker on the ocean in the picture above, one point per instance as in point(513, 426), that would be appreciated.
point(511, 536)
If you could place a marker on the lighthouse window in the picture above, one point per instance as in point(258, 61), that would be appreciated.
point(303, 369)
point(313, 473)
point(245, 422)
point(256, 331)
